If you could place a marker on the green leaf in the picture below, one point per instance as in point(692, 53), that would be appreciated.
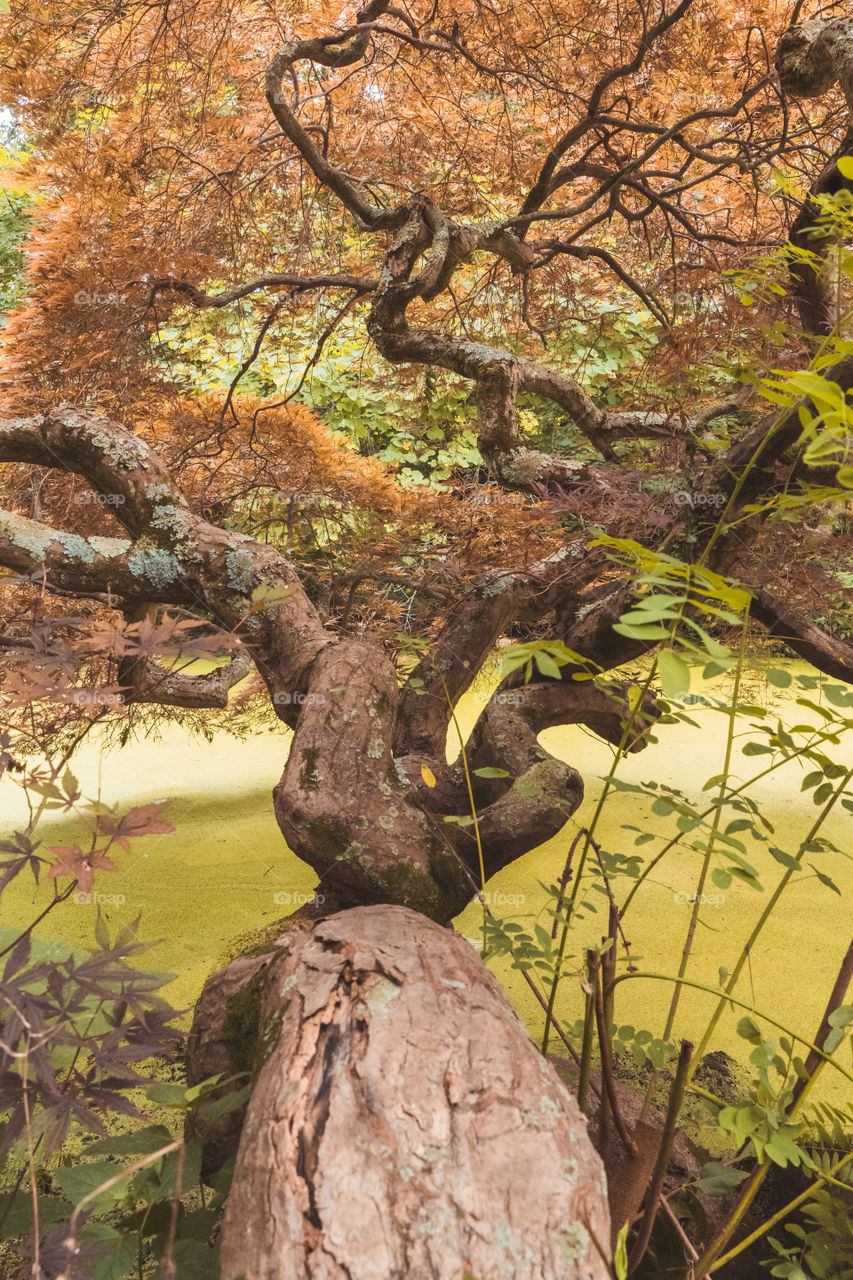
point(116, 1256)
point(190, 1172)
point(141, 1142)
point(838, 695)
point(198, 1225)
point(717, 1179)
point(711, 646)
point(716, 668)
point(168, 1095)
point(490, 772)
point(785, 858)
point(748, 876)
point(620, 1254)
point(833, 1040)
point(221, 1182)
point(722, 879)
point(749, 1030)
point(16, 1210)
point(546, 664)
point(781, 679)
point(70, 785)
point(102, 933)
point(194, 1261)
point(842, 1016)
point(824, 879)
point(80, 1180)
point(782, 1149)
point(641, 633)
point(674, 673)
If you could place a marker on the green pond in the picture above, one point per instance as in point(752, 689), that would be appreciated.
point(225, 870)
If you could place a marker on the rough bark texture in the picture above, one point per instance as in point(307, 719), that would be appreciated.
point(404, 1124)
point(810, 59)
point(351, 802)
point(220, 1043)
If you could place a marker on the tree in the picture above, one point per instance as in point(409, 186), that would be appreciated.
point(405, 158)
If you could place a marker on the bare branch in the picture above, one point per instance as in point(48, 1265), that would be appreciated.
point(830, 654)
point(150, 682)
point(542, 187)
point(339, 50)
point(283, 280)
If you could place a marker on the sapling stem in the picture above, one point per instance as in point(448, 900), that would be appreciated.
point(676, 1100)
point(606, 1048)
point(709, 851)
point(586, 1047)
point(768, 911)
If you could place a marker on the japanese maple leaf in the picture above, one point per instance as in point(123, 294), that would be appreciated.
point(74, 862)
point(143, 820)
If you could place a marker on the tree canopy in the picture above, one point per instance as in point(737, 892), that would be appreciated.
point(215, 182)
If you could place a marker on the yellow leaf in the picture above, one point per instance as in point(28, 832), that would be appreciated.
point(428, 775)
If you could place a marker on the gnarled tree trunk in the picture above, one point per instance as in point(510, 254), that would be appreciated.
point(403, 1124)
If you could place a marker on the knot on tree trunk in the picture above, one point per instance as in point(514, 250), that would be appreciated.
point(403, 1124)
point(814, 56)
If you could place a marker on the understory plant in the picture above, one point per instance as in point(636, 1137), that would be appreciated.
point(726, 838)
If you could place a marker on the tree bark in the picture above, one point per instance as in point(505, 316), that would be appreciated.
point(810, 59)
point(403, 1124)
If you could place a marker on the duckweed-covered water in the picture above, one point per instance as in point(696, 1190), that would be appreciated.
point(225, 870)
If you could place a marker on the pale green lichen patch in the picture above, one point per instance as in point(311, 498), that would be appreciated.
point(379, 996)
point(9, 426)
point(549, 1110)
point(155, 491)
point(158, 566)
point(176, 523)
point(241, 571)
point(77, 548)
point(574, 1241)
point(110, 547)
point(122, 451)
point(498, 585)
point(28, 536)
point(166, 516)
point(354, 852)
